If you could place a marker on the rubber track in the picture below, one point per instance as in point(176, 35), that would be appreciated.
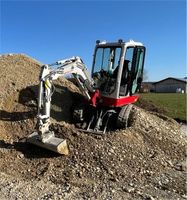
point(123, 117)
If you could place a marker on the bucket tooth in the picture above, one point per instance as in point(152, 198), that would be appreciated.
point(55, 144)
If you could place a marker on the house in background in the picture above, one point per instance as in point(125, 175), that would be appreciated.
point(171, 85)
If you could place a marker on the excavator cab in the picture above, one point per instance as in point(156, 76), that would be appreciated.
point(117, 70)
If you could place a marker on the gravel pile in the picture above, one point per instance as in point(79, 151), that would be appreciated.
point(145, 161)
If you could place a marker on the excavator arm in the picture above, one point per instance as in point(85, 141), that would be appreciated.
point(48, 74)
point(73, 66)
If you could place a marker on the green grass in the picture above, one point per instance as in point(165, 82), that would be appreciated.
point(174, 104)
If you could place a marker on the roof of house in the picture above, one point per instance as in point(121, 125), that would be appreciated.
point(184, 80)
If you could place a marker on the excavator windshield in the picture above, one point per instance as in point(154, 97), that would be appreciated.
point(106, 59)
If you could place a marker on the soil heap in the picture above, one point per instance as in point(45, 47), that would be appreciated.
point(145, 161)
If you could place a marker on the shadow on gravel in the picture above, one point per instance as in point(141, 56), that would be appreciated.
point(150, 106)
point(29, 150)
point(62, 102)
point(28, 96)
point(16, 116)
point(180, 121)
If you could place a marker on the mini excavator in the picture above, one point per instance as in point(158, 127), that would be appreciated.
point(109, 90)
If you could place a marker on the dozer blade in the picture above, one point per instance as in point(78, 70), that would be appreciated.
point(55, 144)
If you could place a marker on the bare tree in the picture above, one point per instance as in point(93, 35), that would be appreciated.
point(145, 75)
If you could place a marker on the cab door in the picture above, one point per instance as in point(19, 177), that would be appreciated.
point(137, 69)
point(132, 72)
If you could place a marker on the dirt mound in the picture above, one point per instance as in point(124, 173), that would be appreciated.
point(150, 106)
point(18, 96)
point(145, 161)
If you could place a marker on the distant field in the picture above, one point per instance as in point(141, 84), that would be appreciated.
point(170, 104)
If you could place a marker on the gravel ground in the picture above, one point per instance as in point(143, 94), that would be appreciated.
point(145, 161)
point(184, 129)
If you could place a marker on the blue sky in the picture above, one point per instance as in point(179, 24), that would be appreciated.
point(53, 30)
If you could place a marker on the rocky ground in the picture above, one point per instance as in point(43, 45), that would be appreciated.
point(145, 161)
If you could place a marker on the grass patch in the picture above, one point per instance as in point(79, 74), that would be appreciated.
point(170, 104)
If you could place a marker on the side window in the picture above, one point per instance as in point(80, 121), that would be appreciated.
point(137, 71)
point(132, 72)
point(139, 62)
point(129, 56)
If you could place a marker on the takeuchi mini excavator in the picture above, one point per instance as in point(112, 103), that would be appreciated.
point(110, 90)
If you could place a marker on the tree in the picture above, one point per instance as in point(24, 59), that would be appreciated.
point(145, 75)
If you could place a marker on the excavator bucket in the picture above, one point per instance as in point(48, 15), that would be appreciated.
point(53, 143)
